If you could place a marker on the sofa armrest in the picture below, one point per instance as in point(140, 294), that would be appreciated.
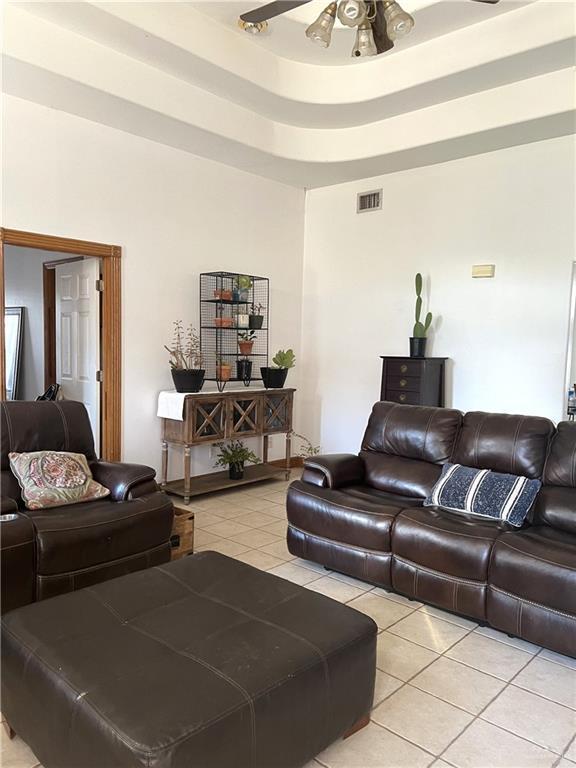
point(8, 505)
point(334, 470)
point(124, 480)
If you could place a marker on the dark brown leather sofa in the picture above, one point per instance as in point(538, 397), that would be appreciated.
point(363, 515)
point(50, 551)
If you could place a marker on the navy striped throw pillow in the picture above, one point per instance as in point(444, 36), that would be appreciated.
point(484, 493)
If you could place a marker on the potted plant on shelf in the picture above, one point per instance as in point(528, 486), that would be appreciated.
point(223, 369)
point(418, 339)
point(186, 359)
point(244, 370)
point(242, 285)
point(234, 455)
point(222, 294)
point(274, 377)
point(246, 342)
point(256, 318)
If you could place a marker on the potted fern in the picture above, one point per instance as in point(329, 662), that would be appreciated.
point(274, 377)
point(418, 340)
point(234, 455)
point(186, 359)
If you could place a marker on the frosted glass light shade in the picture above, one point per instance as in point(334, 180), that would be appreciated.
point(320, 31)
point(398, 22)
point(364, 45)
point(351, 13)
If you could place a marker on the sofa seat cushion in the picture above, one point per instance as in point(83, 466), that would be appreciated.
point(442, 558)
point(79, 536)
point(354, 516)
point(347, 531)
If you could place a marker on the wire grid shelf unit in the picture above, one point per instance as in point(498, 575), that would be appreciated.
point(233, 303)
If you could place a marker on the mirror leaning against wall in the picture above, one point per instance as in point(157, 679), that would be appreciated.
point(570, 387)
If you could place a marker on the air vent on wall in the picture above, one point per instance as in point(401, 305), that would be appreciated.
point(369, 201)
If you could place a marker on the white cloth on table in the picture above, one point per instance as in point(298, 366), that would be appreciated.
point(171, 405)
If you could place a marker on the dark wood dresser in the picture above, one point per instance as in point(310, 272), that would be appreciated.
point(413, 381)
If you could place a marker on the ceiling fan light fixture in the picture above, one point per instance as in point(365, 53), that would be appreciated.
point(364, 45)
point(398, 22)
point(253, 27)
point(351, 13)
point(320, 31)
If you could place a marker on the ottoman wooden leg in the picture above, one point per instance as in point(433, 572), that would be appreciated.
point(9, 730)
point(358, 725)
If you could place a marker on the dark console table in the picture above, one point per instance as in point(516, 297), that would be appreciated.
point(413, 380)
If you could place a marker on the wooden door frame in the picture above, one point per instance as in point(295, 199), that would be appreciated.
point(111, 346)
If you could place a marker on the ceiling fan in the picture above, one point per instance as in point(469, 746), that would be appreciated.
point(378, 22)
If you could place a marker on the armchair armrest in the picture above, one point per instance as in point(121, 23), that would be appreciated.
point(124, 480)
point(8, 505)
point(333, 470)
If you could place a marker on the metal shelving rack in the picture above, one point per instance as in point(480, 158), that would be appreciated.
point(225, 300)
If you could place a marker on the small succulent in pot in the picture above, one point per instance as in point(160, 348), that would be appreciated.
point(186, 359)
point(418, 339)
point(242, 285)
point(256, 318)
point(246, 342)
point(223, 369)
point(274, 377)
point(234, 455)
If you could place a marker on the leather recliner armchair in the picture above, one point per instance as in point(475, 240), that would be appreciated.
point(76, 545)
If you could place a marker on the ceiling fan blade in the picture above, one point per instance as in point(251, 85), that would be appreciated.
point(270, 10)
point(492, 2)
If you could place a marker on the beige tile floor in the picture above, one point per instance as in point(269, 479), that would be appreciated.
point(448, 693)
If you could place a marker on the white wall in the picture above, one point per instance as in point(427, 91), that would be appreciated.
point(506, 337)
point(174, 215)
point(24, 288)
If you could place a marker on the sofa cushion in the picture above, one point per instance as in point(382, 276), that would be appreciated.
point(504, 443)
point(404, 446)
point(442, 558)
point(532, 590)
point(487, 494)
point(556, 504)
point(82, 535)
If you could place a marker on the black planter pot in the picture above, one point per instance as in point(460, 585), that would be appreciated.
point(274, 378)
point(244, 371)
point(236, 471)
point(188, 381)
point(255, 322)
point(417, 347)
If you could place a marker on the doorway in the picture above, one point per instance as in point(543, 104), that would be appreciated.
point(80, 286)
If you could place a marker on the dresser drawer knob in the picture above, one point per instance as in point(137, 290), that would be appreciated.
point(403, 382)
point(402, 397)
point(403, 368)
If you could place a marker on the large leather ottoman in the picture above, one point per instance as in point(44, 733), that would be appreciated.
point(202, 662)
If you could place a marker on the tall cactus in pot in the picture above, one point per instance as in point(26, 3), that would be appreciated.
point(420, 329)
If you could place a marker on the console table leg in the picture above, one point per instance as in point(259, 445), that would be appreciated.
point(288, 454)
point(164, 463)
point(265, 449)
point(187, 475)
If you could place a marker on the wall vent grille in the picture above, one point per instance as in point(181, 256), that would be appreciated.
point(369, 201)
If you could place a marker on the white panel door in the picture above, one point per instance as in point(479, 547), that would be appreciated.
point(78, 336)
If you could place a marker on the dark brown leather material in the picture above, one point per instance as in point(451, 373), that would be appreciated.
point(17, 562)
point(442, 558)
point(412, 431)
point(8, 505)
point(532, 590)
point(339, 469)
point(94, 532)
point(50, 586)
point(120, 478)
point(314, 477)
point(340, 517)
point(556, 503)
point(404, 446)
point(203, 662)
point(83, 543)
point(504, 443)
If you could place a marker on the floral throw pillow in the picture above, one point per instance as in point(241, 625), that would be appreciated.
point(54, 478)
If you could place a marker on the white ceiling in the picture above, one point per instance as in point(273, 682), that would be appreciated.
point(286, 33)
point(474, 78)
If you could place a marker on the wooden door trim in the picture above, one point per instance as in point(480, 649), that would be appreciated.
point(111, 346)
